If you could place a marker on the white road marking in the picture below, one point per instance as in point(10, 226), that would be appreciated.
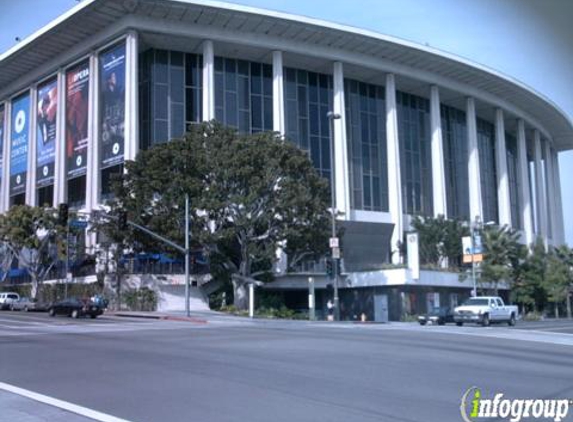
point(70, 407)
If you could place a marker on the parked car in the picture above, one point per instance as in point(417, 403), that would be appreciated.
point(485, 310)
point(7, 298)
point(438, 315)
point(26, 304)
point(75, 308)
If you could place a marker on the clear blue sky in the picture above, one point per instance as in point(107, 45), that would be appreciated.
point(530, 40)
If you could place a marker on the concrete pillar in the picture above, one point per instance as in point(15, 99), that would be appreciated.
point(438, 169)
point(131, 147)
point(93, 153)
point(60, 176)
point(523, 191)
point(550, 196)
point(503, 199)
point(394, 175)
point(208, 81)
point(278, 94)
point(559, 201)
point(341, 174)
point(32, 136)
point(540, 197)
point(4, 183)
point(474, 177)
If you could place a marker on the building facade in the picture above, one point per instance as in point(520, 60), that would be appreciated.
point(421, 132)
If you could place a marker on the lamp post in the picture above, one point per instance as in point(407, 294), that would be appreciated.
point(335, 251)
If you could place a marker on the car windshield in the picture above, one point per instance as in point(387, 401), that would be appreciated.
point(476, 301)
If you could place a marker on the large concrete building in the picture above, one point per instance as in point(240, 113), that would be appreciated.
point(421, 132)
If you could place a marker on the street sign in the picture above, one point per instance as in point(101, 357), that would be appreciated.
point(334, 242)
point(78, 224)
point(336, 253)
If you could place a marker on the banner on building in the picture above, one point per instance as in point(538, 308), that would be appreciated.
point(19, 144)
point(46, 132)
point(413, 251)
point(77, 110)
point(112, 106)
point(2, 120)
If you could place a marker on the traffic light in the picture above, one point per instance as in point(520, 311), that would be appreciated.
point(63, 214)
point(329, 268)
point(122, 220)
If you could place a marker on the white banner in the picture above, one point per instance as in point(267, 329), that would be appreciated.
point(413, 255)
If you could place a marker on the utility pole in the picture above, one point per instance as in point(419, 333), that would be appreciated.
point(334, 240)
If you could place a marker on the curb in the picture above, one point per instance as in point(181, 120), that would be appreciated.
point(162, 317)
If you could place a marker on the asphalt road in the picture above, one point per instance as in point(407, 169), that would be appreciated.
point(237, 370)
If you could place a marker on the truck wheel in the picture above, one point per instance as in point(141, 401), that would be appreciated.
point(511, 321)
point(485, 320)
point(459, 324)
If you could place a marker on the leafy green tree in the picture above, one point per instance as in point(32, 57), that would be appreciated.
point(564, 255)
point(501, 247)
point(529, 289)
point(440, 240)
point(557, 280)
point(250, 195)
point(27, 233)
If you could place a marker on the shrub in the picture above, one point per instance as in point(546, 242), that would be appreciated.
point(143, 299)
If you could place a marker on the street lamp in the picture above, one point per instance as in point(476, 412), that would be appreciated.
point(334, 246)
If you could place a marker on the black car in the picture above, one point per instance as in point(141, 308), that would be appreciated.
point(75, 308)
point(438, 316)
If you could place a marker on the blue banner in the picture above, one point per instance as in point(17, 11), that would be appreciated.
point(112, 106)
point(2, 120)
point(46, 133)
point(19, 144)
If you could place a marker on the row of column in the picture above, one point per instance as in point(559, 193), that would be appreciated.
point(548, 211)
point(549, 219)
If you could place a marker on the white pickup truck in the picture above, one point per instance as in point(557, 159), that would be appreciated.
point(485, 310)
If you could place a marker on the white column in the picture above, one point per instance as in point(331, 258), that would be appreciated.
point(5, 182)
point(131, 97)
point(208, 81)
point(523, 191)
point(60, 179)
point(539, 188)
point(550, 190)
point(559, 204)
point(438, 169)
point(92, 167)
point(394, 175)
point(474, 177)
point(341, 175)
point(503, 200)
point(278, 94)
point(32, 135)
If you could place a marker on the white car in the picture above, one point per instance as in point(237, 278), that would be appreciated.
point(7, 298)
point(485, 310)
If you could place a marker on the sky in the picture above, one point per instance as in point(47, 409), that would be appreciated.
point(529, 40)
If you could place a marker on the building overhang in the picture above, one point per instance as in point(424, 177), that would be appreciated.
point(362, 51)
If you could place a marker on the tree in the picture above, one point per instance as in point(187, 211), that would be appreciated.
point(250, 195)
point(564, 256)
point(501, 247)
point(529, 289)
point(27, 233)
point(440, 240)
point(557, 280)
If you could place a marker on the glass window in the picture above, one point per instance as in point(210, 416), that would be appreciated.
point(488, 172)
point(170, 94)
point(306, 109)
point(511, 149)
point(415, 153)
point(454, 133)
point(241, 99)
